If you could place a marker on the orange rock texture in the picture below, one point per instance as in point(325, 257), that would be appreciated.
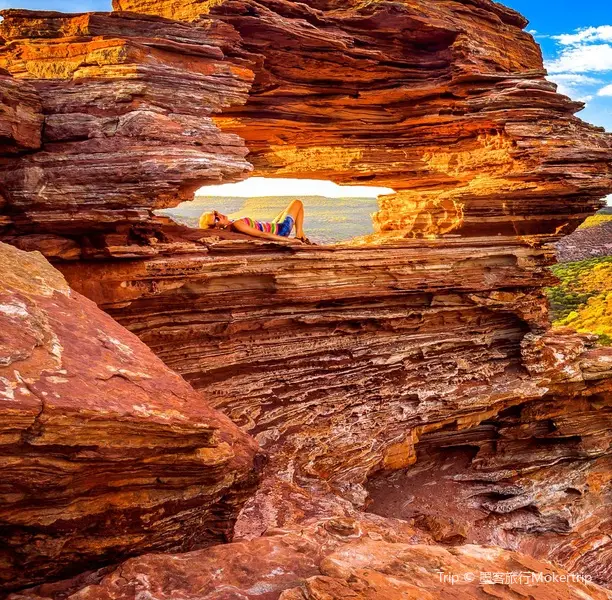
point(332, 356)
point(128, 103)
point(534, 478)
point(332, 559)
point(443, 101)
point(420, 350)
point(105, 452)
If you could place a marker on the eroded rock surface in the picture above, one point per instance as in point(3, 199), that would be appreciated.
point(337, 360)
point(128, 103)
point(332, 356)
point(445, 103)
point(534, 479)
point(106, 453)
point(331, 559)
point(21, 123)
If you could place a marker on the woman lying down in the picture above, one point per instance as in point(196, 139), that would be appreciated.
point(278, 229)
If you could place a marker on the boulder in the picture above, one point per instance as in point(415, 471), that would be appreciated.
point(106, 453)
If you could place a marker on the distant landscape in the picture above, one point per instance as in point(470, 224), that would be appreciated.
point(327, 220)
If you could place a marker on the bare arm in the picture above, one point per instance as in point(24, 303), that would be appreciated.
point(242, 227)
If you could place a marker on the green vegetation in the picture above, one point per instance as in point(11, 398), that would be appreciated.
point(583, 298)
point(594, 220)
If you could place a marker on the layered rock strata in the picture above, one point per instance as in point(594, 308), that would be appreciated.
point(444, 102)
point(417, 97)
point(338, 360)
point(344, 380)
point(20, 115)
point(106, 453)
point(21, 122)
point(353, 349)
point(128, 102)
point(534, 478)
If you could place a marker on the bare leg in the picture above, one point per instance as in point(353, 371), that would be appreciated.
point(299, 222)
point(283, 213)
point(296, 211)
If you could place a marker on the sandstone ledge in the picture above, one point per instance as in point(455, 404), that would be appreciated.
point(334, 559)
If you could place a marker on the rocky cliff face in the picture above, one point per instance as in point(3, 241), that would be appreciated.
point(426, 343)
point(128, 104)
point(106, 453)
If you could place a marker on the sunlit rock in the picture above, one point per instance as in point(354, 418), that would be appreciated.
point(106, 453)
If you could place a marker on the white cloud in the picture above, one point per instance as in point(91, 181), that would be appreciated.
point(605, 91)
point(582, 67)
point(588, 35)
point(582, 59)
point(587, 50)
point(574, 79)
point(575, 85)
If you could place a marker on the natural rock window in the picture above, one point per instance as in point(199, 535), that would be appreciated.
point(333, 214)
point(341, 362)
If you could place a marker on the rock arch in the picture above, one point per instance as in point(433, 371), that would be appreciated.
point(337, 359)
point(473, 138)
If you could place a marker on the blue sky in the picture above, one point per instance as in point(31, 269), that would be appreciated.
point(61, 5)
point(576, 40)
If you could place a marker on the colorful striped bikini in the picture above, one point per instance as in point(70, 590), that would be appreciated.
point(277, 228)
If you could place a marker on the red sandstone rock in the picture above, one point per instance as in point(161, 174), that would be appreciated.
point(328, 561)
point(449, 107)
point(535, 478)
point(20, 115)
point(339, 360)
point(129, 103)
point(332, 356)
point(379, 571)
point(51, 246)
point(106, 453)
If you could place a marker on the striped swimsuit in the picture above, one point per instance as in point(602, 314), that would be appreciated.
point(282, 228)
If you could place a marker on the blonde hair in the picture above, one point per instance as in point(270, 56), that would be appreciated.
point(207, 220)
